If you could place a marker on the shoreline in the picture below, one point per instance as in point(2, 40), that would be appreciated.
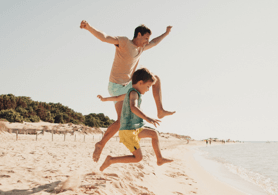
point(219, 170)
point(207, 182)
point(230, 165)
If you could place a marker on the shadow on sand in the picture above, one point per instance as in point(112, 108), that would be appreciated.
point(47, 187)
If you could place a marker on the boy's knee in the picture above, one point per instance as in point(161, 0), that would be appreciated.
point(139, 158)
point(138, 155)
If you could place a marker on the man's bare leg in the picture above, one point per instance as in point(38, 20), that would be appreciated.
point(111, 131)
point(155, 144)
point(157, 94)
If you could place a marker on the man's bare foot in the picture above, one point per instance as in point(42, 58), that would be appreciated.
point(97, 151)
point(106, 163)
point(164, 113)
point(163, 161)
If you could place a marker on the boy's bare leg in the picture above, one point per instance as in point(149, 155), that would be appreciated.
point(155, 143)
point(157, 94)
point(111, 131)
point(136, 157)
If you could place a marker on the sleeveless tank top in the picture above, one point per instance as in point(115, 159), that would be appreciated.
point(129, 120)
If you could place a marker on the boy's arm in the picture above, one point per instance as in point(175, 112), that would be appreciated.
point(99, 34)
point(113, 98)
point(133, 98)
point(157, 40)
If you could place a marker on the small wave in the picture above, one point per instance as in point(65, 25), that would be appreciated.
point(267, 184)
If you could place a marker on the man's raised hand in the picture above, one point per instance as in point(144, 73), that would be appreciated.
point(84, 24)
point(168, 29)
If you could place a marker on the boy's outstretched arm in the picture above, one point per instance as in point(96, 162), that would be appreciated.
point(99, 34)
point(113, 98)
point(157, 40)
point(133, 98)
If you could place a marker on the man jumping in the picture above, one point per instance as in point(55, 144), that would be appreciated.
point(126, 60)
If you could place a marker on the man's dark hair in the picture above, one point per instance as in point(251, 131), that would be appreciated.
point(141, 29)
point(144, 75)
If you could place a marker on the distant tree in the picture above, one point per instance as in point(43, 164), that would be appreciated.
point(92, 121)
point(59, 118)
point(49, 117)
point(22, 111)
point(17, 109)
point(34, 118)
point(98, 120)
point(11, 115)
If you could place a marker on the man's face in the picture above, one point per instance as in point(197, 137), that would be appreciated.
point(144, 40)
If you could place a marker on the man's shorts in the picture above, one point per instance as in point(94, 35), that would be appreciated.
point(115, 89)
point(130, 138)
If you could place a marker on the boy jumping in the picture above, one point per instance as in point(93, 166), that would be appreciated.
point(132, 130)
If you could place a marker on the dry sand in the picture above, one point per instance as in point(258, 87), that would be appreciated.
point(44, 166)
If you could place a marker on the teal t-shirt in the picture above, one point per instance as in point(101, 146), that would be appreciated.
point(129, 120)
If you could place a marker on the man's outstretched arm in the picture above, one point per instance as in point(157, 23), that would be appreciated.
point(157, 40)
point(99, 34)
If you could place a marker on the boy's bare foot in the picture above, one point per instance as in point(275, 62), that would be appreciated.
point(164, 113)
point(163, 161)
point(106, 163)
point(97, 151)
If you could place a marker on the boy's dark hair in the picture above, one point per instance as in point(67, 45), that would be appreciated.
point(144, 75)
point(141, 29)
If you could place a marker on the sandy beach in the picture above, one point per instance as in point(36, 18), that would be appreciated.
point(43, 166)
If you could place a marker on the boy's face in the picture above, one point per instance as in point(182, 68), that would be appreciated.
point(144, 87)
point(144, 40)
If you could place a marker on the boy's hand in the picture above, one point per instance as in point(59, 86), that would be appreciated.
point(101, 98)
point(153, 121)
point(84, 24)
point(168, 29)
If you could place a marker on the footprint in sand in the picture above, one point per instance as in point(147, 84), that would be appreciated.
point(5, 176)
point(178, 193)
point(111, 174)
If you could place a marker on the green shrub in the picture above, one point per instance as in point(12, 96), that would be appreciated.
point(34, 118)
point(92, 121)
point(11, 115)
point(18, 109)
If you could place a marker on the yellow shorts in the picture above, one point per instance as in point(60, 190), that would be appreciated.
point(130, 138)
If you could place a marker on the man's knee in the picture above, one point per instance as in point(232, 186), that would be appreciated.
point(118, 124)
point(155, 134)
point(157, 79)
point(112, 129)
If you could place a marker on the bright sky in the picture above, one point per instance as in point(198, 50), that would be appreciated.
point(218, 66)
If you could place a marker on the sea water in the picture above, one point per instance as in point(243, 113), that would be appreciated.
point(251, 167)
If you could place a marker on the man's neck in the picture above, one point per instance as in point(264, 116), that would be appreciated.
point(135, 42)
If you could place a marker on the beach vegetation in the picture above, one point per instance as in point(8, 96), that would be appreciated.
point(21, 108)
point(97, 120)
point(11, 115)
